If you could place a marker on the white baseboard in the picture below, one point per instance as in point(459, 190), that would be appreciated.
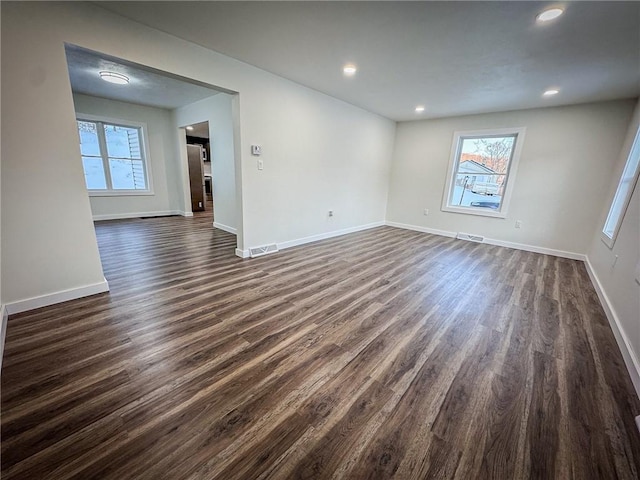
point(56, 297)
point(323, 236)
point(120, 216)
point(224, 227)
point(3, 330)
point(532, 248)
point(628, 354)
point(186, 214)
point(417, 228)
point(315, 238)
point(492, 241)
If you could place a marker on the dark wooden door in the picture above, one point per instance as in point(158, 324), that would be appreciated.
point(196, 178)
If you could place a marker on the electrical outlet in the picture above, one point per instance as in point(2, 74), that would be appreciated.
point(331, 213)
point(426, 211)
point(200, 204)
point(518, 223)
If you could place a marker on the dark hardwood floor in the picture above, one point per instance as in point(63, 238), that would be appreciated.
point(380, 354)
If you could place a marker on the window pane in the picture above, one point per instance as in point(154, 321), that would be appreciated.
point(488, 155)
point(122, 142)
point(483, 163)
point(624, 189)
point(127, 174)
point(94, 173)
point(89, 144)
point(479, 190)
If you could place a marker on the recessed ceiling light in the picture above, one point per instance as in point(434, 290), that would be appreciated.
point(550, 92)
point(549, 14)
point(420, 109)
point(349, 70)
point(189, 127)
point(114, 77)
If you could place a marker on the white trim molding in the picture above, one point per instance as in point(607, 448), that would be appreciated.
point(417, 228)
point(99, 120)
point(459, 137)
point(323, 236)
point(57, 297)
point(624, 192)
point(120, 216)
point(492, 241)
point(535, 249)
point(224, 227)
point(3, 330)
point(314, 238)
point(628, 354)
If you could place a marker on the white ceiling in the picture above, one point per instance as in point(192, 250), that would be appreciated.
point(146, 87)
point(454, 57)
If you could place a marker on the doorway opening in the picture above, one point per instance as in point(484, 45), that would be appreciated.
point(144, 120)
point(198, 154)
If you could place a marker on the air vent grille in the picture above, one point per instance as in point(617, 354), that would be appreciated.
point(470, 237)
point(265, 249)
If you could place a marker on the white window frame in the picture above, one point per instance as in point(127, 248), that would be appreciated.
point(633, 181)
point(458, 137)
point(146, 163)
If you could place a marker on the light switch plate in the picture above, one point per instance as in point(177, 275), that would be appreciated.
point(256, 150)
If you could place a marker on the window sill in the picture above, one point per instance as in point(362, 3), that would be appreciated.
point(119, 193)
point(475, 211)
point(607, 240)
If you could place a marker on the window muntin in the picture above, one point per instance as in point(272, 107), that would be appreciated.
point(623, 193)
point(481, 171)
point(91, 157)
point(113, 157)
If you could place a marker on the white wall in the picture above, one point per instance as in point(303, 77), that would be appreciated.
point(618, 282)
point(48, 240)
point(318, 156)
point(319, 152)
point(164, 168)
point(217, 110)
point(564, 172)
point(2, 307)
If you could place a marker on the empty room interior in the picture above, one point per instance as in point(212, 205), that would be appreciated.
point(332, 240)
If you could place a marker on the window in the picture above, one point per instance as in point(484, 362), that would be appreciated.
point(623, 194)
point(482, 171)
point(113, 157)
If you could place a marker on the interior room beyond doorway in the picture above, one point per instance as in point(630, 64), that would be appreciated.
point(200, 171)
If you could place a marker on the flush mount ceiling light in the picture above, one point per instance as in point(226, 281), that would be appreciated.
point(420, 109)
point(550, 92)
point(189, 128)
point(349, 70)
point(549, 14)
point(114, 77)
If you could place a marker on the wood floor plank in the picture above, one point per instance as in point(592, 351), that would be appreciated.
point(543, 423)
point(385, 353)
